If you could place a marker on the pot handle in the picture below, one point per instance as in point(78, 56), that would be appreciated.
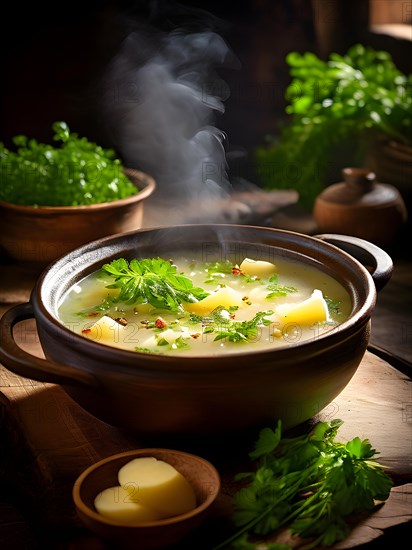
point(374, 259)
point(24, 364)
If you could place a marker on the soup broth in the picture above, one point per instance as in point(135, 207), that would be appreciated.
point(228, 309)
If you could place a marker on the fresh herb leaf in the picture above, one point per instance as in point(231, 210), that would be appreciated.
point(152, 281)
point(267, 442)
point(195, 319)
point(277, 290)
point(333, 305)
point(145, 350)
point(105, 305)
point(216, 271)
point(218, 267)
point(244, 544)
point(162, 342)
point(178, 344)
point(252, 279)
point(226, 328)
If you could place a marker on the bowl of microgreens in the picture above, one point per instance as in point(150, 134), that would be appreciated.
point(198, 330)
point(56, 198)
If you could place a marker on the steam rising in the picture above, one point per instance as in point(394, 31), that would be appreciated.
point(162, 115)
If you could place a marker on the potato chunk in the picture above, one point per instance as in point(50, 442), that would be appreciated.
point(225, 297)
point(312, 310)
point(157, 485)
point(118, 504)
point(94, 295)
point(105, 330)
point(257, 268)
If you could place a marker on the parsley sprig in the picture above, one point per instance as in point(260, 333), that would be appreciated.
point(309, 483)
point(154, 281)
point(216, 271)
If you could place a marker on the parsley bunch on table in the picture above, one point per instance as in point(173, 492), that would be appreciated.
point(75, 172)
point(154, 281)
point(309, 483)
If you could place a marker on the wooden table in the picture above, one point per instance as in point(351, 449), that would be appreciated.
point(46, 440)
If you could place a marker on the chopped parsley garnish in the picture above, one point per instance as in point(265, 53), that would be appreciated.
point(216, 271)
point(224, 327)
point(218, 267)
point(105, 305)
point(146, 350)
point(277, 290)
point(179, 343)
point(333, 305)
point(195, 318)
point(252, 278)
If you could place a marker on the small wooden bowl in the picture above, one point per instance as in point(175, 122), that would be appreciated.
point(202, 475)
point(42, 234)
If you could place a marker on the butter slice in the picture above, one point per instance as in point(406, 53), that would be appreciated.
point(157, 485)
point(118, 504)
point(312, 310)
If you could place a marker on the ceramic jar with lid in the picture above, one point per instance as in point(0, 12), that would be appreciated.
point(362, 207)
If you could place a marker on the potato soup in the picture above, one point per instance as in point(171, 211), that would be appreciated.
point(191, 307)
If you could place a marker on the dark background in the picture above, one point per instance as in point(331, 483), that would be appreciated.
point(53, 57)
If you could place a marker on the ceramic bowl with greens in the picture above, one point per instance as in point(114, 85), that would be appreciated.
point(55, 198)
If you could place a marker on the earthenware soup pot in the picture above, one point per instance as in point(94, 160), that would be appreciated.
point(151, 394)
